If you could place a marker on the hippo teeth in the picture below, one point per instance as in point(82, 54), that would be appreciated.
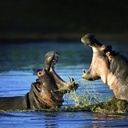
point(69, 79)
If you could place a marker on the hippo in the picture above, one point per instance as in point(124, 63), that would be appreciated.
point(46, 92)
point(109, 65)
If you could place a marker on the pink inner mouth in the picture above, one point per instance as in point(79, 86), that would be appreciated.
point(55, 59)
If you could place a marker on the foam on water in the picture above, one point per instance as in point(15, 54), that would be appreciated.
point(85, 95)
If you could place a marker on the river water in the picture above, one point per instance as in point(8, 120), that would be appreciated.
point(17, 62)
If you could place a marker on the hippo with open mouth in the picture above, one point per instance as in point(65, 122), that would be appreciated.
point(46, 92)
point(109, 65)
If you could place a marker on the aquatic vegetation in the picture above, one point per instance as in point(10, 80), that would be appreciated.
point(92, 100)
point(87, 94)
point(111, 106)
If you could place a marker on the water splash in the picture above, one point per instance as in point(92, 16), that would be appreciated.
point(85, 95)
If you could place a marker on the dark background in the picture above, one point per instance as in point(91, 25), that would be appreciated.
point(62, 19)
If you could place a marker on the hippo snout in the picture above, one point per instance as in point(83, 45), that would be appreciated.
point(90, 39)
point(86, 40)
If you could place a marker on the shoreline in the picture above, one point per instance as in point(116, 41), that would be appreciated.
point(28, 37)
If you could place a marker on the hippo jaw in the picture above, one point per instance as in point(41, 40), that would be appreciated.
point(89, 39)
point(43, 97)
point(51, 59)
point(99, 58)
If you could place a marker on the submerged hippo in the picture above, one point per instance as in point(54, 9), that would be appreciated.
point(46, 92)
point(110, 66)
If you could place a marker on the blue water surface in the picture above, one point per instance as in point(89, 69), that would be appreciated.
point(17, 62)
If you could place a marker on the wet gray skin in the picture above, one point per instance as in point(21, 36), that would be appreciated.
point(58, 86)
point(109, 65)
point(46, 92)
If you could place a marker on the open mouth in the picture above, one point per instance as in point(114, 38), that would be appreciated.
point(55, 59)
point(87, 39)
point(91, 40)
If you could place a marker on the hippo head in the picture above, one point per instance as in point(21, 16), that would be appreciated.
point(44, 90)
point(109, 65)
point(43, 93)
point(100, 62)
point(90, 40)
point(49, 88)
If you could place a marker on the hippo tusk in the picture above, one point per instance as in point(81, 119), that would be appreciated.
point(69, 79)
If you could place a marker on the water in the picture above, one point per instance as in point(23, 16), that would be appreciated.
point(16, 75)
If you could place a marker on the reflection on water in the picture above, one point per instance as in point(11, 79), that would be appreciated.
point(16, 75)
point(63, 120)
